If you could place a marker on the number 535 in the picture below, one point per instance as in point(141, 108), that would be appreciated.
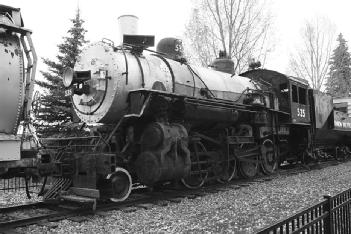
point(301, 112)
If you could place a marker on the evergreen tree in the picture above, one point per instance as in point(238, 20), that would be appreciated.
point(339, 79)
point(55, 112)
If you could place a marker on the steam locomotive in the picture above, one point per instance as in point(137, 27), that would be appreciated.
point(155, 119)
point(18, 152)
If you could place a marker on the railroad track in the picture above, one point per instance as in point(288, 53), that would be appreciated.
point(45, 213)
point(24, 215)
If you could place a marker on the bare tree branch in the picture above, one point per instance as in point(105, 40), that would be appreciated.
point(238, 27)
point(310, 59)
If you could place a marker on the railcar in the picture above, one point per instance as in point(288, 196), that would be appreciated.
point(332, 128)
point(18, 151)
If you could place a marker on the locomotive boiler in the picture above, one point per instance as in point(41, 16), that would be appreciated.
point(155, 119)
point(18, 156)
point(103, 78)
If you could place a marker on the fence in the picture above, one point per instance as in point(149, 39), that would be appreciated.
point(333, 215)
point(16, 184)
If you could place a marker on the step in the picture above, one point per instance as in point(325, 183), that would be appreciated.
point(80, 199)
point(76, 198)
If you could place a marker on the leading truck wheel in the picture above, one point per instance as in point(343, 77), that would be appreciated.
point(269, 161)
point(121, 184)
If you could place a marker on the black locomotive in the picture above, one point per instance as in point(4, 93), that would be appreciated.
point(156, 120)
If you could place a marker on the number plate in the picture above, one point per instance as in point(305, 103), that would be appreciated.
point(301, 113)
point(68, 92)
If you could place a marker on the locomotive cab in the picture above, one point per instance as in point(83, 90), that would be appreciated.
point(293, 109)
point(291, 94)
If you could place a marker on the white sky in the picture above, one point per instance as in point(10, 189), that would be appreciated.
point(49, 21)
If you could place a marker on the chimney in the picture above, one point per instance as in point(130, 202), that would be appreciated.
point(127, 24)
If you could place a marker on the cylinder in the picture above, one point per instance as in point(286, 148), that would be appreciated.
point(166, 158)
point(127, 24)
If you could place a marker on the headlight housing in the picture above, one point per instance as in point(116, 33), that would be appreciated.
point(68, 77)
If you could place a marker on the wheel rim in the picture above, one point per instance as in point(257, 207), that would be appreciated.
point(269, 161)
point(347, 152)
point(198, 173)
point(229, 170)
point(249, 169)
point(121, 185)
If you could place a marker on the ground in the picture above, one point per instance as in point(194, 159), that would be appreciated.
point(244, 210)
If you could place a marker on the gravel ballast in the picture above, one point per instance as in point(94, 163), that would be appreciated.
point(10, 198)
point(245, 210)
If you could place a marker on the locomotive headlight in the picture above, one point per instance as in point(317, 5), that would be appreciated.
point(68, 77)
point(71, 77)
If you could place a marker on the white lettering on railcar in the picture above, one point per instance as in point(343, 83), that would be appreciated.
point(340, 124)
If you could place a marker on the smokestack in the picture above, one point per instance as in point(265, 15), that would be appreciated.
point(127, 24)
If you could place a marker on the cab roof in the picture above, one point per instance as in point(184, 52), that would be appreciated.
point(272, 76)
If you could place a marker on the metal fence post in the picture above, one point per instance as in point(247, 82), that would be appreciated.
point(328, 221)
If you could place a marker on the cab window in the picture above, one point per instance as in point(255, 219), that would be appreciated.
point(283, 97)
point(294, 93)
point(302, 96)
point(284, 91)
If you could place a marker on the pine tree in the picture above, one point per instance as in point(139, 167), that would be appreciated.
point(55, 112)
point(339, 79)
